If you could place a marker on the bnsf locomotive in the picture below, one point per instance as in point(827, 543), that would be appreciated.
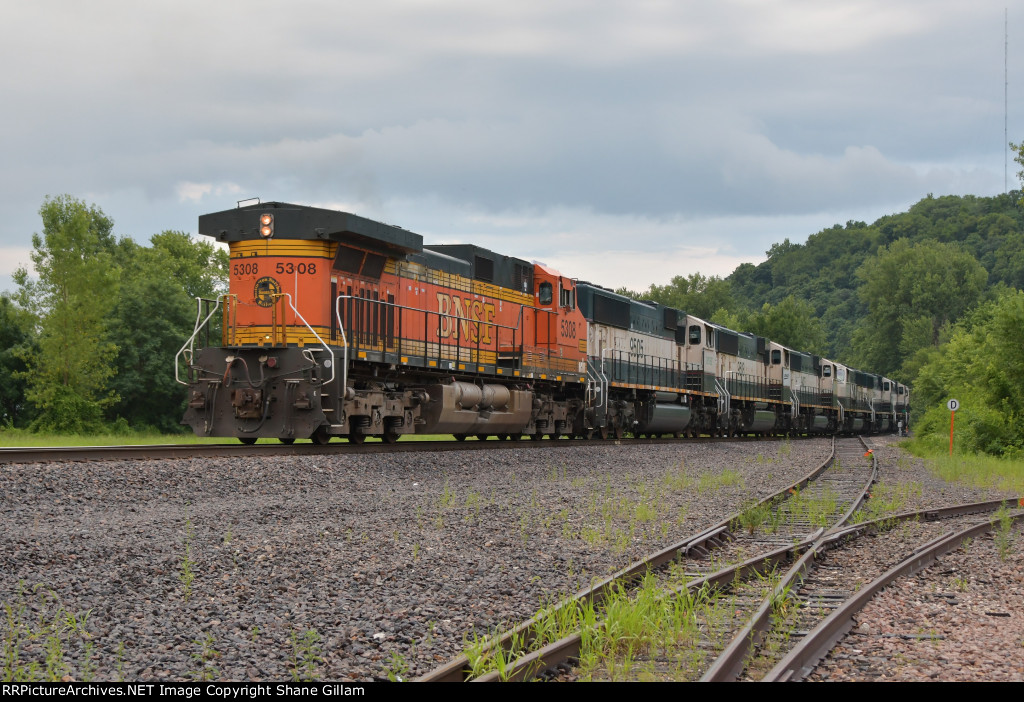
point(337, 325)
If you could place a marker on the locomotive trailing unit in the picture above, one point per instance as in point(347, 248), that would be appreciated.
point(337, 325)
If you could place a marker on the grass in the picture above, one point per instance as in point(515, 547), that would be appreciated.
point(306, 655)
point(713, 482)
point(619, 638)
point(886, 499)
point(817, 508)
point(754, 515)
point(38, 635)
point(976, 470)
point(1004, 532)
point(187, 573)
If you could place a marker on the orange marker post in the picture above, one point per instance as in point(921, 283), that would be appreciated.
point(953, 406)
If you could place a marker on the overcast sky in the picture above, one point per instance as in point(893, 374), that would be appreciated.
point(622, 142)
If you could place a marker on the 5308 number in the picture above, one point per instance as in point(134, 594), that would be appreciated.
point(300, 268)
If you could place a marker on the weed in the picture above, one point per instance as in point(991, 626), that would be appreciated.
point(34, 648)
point(398, 668)
point(204, 658)
point(305, 655)
point(1004, 532)
point(713, 482)
point(960, 583)
point(472, 506)
point(187, 573)
point(754, 515)
point(447, 497)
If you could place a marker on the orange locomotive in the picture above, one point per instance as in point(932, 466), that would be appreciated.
point(336, 325)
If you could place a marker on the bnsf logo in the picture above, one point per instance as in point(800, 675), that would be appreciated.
point(469, 311)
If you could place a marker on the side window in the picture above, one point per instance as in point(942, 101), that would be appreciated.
point(826, 371)
point(545, 294)
point(776, 357)
point(695, 334)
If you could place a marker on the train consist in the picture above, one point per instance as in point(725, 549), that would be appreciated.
point(339, 326)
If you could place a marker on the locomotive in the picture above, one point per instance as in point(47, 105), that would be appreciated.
point(335, 325)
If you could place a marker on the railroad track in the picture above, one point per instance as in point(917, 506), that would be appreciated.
point(750, 615)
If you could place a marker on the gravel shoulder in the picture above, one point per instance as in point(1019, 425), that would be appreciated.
point(961, 619)
point(346, 568)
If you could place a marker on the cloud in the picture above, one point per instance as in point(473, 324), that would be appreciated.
point(195, 192)
point(637, 118)
point(14, 257)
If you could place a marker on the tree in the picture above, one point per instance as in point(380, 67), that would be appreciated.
point(1019, 158)
point(17, 342)
point(695, 294)
point(792, 323)
point(913, 291)
point(154, 315)
point(67, 376)
point(981, 365)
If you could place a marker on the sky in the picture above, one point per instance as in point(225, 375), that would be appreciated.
point(620, 142)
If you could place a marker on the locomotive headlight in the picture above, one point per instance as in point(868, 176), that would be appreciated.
point(266, 225)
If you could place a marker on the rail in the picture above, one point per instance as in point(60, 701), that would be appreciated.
point(195, 332)
point(484, 336)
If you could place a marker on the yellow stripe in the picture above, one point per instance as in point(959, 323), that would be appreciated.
point(282, 247)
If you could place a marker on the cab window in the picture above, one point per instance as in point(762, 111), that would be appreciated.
point(826, 371)
point(695, 334)
point(545, 294)
point(776, 357)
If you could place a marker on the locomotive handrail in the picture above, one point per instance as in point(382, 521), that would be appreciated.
point(724, 400)
point(311, 331)
point(198, 326)
point(344, 363)
point(441, 315)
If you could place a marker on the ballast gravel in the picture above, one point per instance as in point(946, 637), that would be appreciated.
point(346, 567)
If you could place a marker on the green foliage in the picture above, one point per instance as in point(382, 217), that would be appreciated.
point(695, 294)
point(981, 366)
point(68, 375)
point(154, 314)
point(792, 323)
point(93, 339)
point(913, 291)
point(17, 342)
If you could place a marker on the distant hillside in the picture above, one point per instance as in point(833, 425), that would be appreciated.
point(823, 271)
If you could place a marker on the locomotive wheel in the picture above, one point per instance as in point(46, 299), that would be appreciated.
point(536, 437)
point(516, 437)
point(459, 437)
point(320, 436)
point(247, 440)
point(356, 438)
point(390, 437)
point(618, 433)
point(602, 433)
point(482, 437)
point(287, 440)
